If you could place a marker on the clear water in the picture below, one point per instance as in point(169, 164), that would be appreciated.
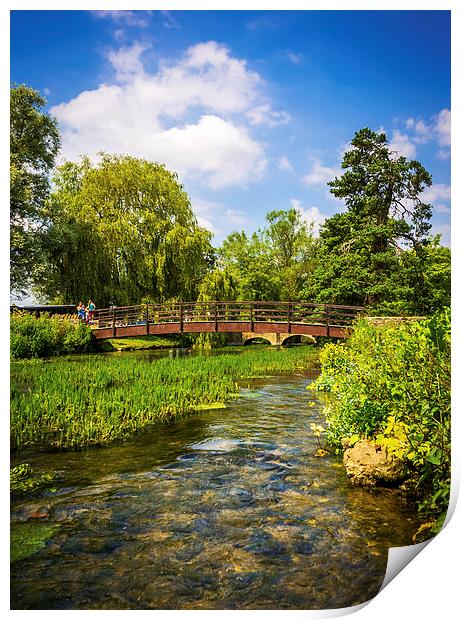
point(228, 509)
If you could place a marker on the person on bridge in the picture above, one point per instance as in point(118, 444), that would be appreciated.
point(91, 308)
point(81, 311)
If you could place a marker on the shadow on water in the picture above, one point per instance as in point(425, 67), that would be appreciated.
point(228, 509)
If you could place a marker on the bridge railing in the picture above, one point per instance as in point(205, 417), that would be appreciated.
point(228, 311)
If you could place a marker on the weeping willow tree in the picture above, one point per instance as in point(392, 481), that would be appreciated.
point(121, 231)
point(217, 285)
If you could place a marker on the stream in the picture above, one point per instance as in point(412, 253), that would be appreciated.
point(227, 509)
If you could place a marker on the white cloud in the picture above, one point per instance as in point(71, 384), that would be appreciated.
point(130, 18)
point(264, 115)
point(284, 164)
point(218, 218)
point(310, 216)
point(401, 144)
point(437, 195)
point(184, 114)
point(437, 191)
point(237, 217)
point(127, 61)
point(168, 20)
point(296, 59)
point(443, 127)
point(320, 174)
point(437, 128)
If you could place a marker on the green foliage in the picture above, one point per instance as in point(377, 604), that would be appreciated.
point(100, 399)
point(47, 335)
point(274, 263)
point(34, 144)
point(391, 383)
point(120, 231)
point(378, 253)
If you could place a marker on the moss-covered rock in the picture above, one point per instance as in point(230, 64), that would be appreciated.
point(24, 481)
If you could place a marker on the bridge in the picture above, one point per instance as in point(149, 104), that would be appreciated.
point(275, 321)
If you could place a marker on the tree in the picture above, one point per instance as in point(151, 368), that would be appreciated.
point(363, 249)
point(274, 263)
point(34, 144)
point(292, 250)
point(122, 232)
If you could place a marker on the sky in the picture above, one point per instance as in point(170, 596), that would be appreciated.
point(253, 109)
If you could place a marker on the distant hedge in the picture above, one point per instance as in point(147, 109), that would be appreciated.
point(47, 335)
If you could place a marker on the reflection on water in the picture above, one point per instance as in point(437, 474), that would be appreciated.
point(228, 509)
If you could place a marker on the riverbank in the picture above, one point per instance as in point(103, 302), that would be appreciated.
point(94, 400)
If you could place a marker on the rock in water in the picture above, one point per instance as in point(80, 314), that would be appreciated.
point(368, 464)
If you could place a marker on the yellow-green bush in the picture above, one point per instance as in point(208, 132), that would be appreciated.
point(391, 383)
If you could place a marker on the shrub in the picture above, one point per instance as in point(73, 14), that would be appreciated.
point(391, 383)
point(47, 335)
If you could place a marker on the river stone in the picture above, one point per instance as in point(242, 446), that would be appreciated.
point(368, 464)
point(262, 543)
point(241, 495)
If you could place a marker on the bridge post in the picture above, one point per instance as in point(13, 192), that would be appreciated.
point(289, 317)
point(181, 318)
point(215, 316)
point(113, 321)
point(252, 323)
point(147, 319)
point(327, 318)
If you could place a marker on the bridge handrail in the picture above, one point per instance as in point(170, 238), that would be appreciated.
point(290, 312)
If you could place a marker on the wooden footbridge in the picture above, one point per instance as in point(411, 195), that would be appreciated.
point(252, 318)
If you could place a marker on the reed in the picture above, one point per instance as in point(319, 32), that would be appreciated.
point(94, 400)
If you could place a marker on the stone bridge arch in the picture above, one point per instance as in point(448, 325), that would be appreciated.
point(275, 339)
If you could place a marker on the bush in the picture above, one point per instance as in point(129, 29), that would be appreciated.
point(47, 335)
point(391, 383)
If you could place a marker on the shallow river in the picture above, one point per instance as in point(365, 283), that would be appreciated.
point(228, 509)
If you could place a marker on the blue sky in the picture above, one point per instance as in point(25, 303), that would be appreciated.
point(252, 109)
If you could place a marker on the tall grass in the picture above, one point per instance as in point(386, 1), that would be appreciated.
point(96, 400)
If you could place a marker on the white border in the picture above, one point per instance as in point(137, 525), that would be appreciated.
point(429, 587)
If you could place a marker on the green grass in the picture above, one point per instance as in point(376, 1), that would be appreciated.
point(96, 400)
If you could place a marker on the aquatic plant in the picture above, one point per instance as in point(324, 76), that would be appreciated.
point(98, 399)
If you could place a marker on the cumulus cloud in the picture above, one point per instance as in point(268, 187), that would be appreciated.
point(438, 194)
point(189, 114)
point(436, 129)
point(320, 174)
point(310, 216)
point(264, 115)
point(443, 127)
point(402, 145)
point(219, 218)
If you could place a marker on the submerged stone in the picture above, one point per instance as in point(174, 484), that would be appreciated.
point(303, 547)
point(262, 543)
